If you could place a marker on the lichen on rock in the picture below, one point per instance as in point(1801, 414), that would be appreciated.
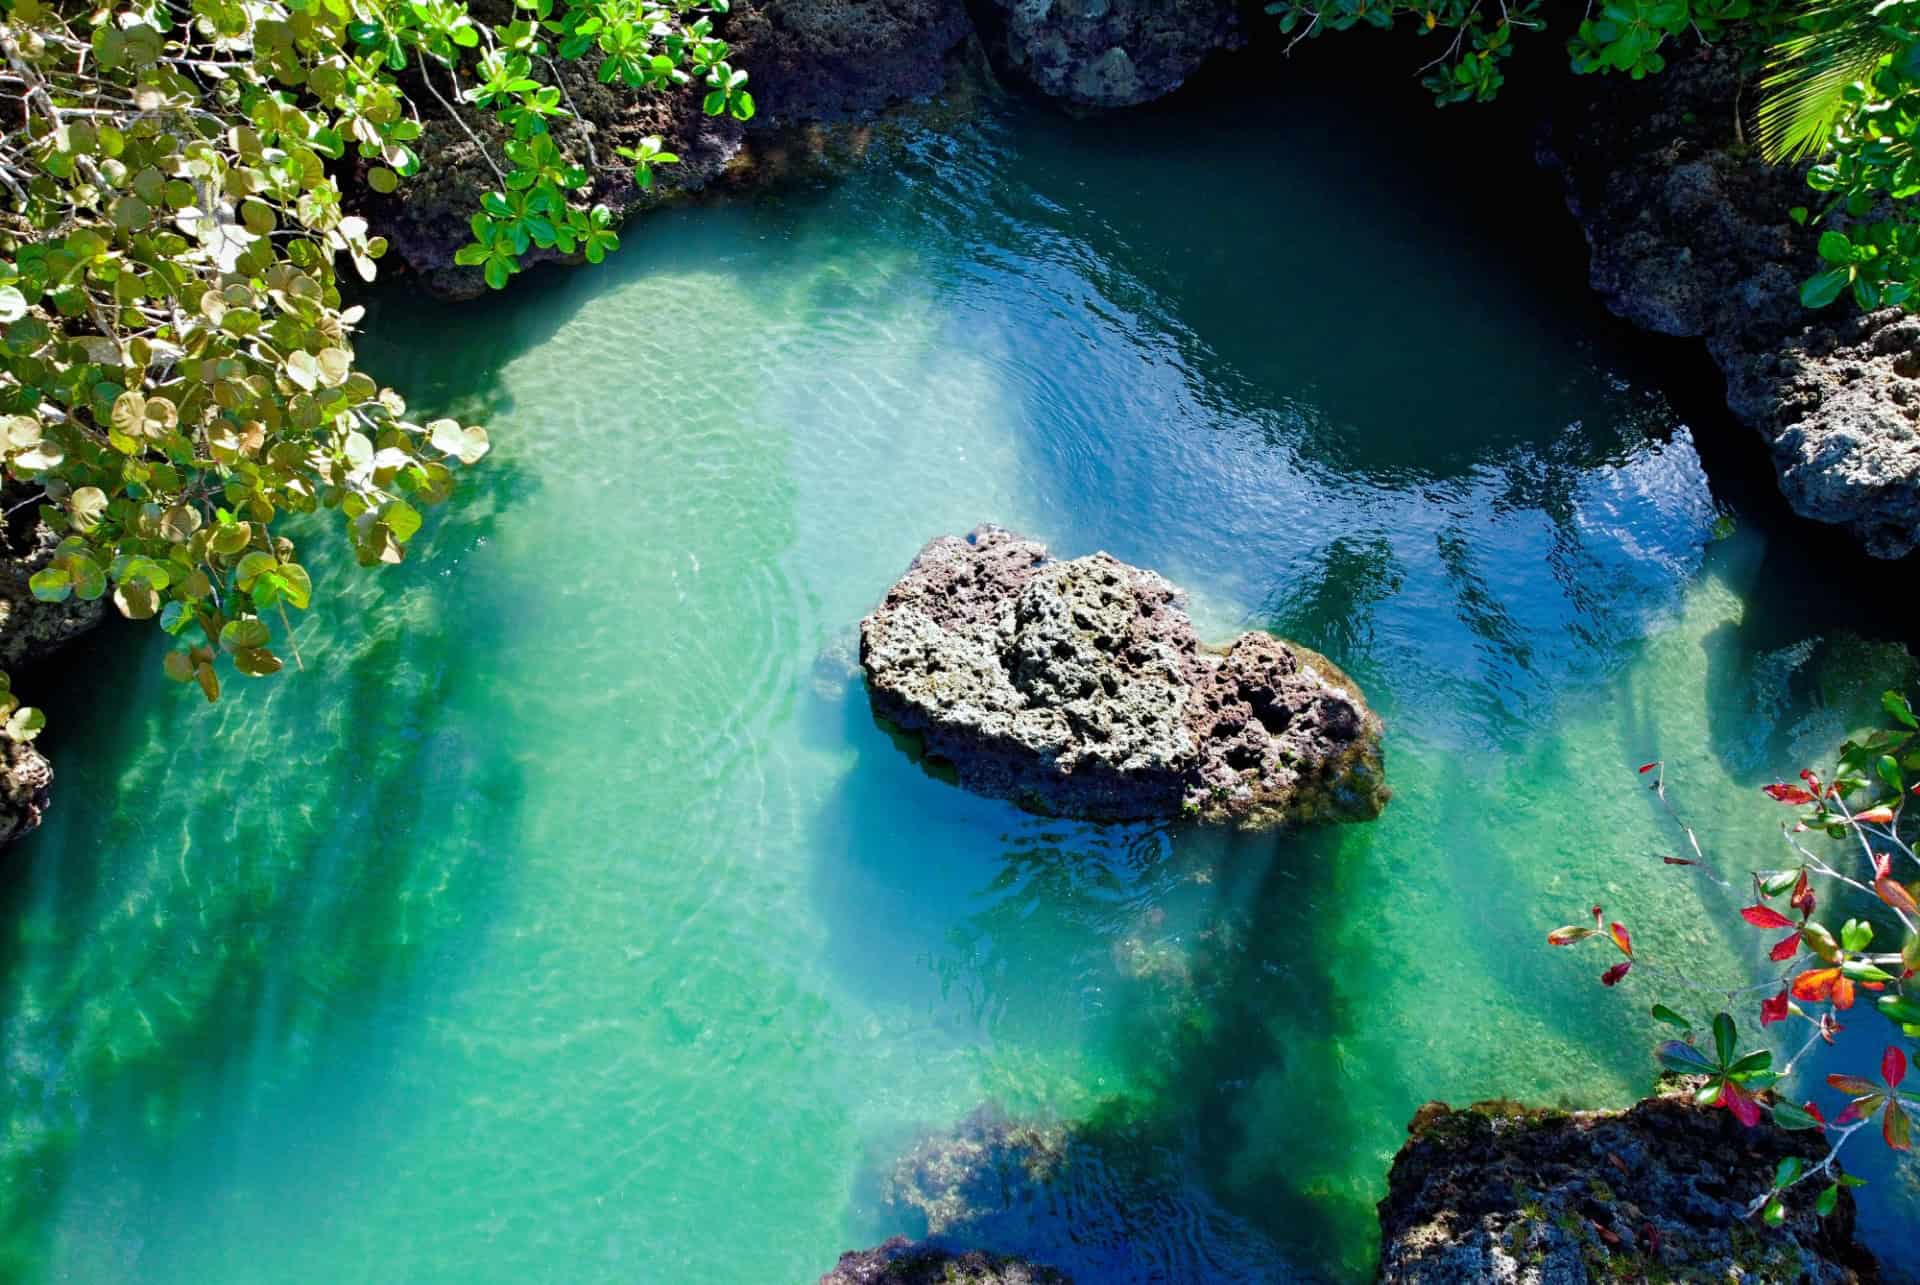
point(1078, 688)
point(1499, 1192)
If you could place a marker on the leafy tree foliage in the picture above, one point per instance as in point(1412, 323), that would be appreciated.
point(1820, 969)
point(1842, 81)
point(176, 363)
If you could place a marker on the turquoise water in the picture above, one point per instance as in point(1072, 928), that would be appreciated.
point(569, 918)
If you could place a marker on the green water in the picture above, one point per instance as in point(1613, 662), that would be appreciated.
point(569, 919)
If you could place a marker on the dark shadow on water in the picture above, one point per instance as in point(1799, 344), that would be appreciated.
point(221, 890)
point(1185, 959)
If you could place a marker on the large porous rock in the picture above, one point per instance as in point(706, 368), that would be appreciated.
point(1077, 688)
point(1497, 1192)
point(1690, 236)
point(1106, 53)
point(809, 61)
point(902, 1262)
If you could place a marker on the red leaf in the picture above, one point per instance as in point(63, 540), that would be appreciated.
point(1895, 895)
point(1736, 1099)
point(1802, 899)
point(1615, 973)
point(1765, 917)
point(1679, 861)
point(1882, 865)
point(1893, 1067)
point(1784, 949)
point(1813, 781)
point(1597, 912)
point(1774, 1010)
point(1849, 1115)
point(1648, 767)
point(1619, 934)
point(1568, 935)
point(1781, 792)
point(1881, 815)
point(1853, 1086)
point(1894, 1128)
point(1813, 1111)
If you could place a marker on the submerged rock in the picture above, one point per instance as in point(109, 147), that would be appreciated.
point(1078, 688)
point(1657, 1192)
point(1690, 236)
point(902, 1262)
point(1107, 53)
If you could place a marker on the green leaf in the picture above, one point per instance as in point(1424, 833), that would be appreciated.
point(1788, 1116)
point(1725, 1037)
point(1835, 248)
point(238, 635)
point(13, 304)
point(1821, 290)
point(1774, 1214)
point(1828, 1200)
point(1899, 709)
point(1786, 1171)
point(51, 584)
point(1678, 1055)
point(1662, 1013)
point(1903, 1009)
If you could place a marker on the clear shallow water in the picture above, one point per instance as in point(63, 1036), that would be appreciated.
point(569, 918)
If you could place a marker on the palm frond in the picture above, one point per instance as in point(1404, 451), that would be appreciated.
point(1839, 42)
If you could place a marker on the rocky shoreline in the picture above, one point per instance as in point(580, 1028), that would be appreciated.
point(1690, 237)
point(1495, 1191)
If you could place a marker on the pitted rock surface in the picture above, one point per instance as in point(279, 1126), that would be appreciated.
point(1106, 53)
point(1078, 688)
point(901, 1262)
point(1498, 1192)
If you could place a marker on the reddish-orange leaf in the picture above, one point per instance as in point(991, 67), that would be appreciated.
point(1773, 1010)
point(1786, 948)
point(1619, 934)
point(1614, 974)
point(1895, 895)
point(1893, 1067)
point(1648, 767)
point(1881, 815)
point(1843, 992)
point(1853, 1086)
point(1781, 792)
point(1895, 1129)
point(1765, 917)
point(1815, 984)
point(1883, 865)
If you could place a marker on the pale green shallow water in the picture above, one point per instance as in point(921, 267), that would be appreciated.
point(569, 918)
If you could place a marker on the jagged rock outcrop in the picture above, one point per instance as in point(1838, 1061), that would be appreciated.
point(1690, 236)
point(25, 778)
point(1078, 688)
point(1497, 1192)
point(902, 1262)
point(1107, 53)
point(29, 629)
point(810, 61)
